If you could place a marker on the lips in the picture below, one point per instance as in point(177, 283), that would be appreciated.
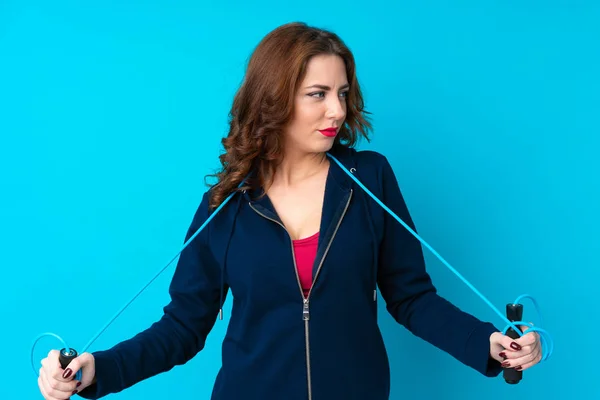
point(329, 132)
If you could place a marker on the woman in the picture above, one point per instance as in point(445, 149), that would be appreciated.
point(302, 249)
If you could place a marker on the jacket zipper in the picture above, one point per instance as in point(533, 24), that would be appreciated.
point(306, 301)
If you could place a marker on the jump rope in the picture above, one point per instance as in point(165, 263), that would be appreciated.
point(513, 317)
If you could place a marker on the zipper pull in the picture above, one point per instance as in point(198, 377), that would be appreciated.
point(305, 311)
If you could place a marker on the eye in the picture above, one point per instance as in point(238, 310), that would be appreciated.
point(317, 94)
point(344, 93)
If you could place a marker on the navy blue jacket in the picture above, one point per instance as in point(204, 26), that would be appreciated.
point(277, 345)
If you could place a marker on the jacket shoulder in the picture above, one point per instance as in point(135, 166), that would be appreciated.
point(371, 162)
point(355, 156)
point(370, 157)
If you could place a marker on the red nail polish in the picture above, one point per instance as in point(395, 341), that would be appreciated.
point(78, 384)
point(503, 355)
point(506, 364)
point(515, 346)
point(518, 368)
point(67, 373)
point(74, 391)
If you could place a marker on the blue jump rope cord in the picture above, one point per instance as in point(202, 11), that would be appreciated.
point(545, 338)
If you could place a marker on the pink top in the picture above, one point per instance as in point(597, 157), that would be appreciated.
point(305, 250)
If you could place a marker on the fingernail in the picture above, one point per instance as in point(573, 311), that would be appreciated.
point(78, 384)
point(515, 346)
point(67, 373)
point(505, 364)
point(503, 355)
point(74, 391)
point(518, 368)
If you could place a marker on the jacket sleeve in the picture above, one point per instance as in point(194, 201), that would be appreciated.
point(182, 330)
point(412, 299)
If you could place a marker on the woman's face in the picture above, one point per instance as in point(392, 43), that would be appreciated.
point(320, 104)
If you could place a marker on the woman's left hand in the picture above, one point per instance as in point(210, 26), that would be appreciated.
point(520, 353)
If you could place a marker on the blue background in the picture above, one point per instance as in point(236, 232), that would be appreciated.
point(111, 113)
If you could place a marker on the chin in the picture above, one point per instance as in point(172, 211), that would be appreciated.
point(324, 146)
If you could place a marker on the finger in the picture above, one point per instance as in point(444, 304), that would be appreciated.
point(527, 339)
point(537, 346)
point(44, 392)
point(530, 364)
point(42, 389)
point(51, 361)
point(524, 351)
point(525, 327)
point(515, 355)
point(52, 364)
point(53, 354)
point(88, 370)
point(83, 362)
point(508, 343)
point(51, 388)
point(525, 361)
point(56, 387)
point(64, 375)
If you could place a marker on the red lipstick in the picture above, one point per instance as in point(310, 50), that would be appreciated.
point(329, 132)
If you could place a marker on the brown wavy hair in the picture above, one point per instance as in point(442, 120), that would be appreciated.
point(264, 104)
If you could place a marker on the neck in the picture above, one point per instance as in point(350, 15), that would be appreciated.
point(296, 167)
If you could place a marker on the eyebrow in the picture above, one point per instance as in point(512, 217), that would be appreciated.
point(325, 87)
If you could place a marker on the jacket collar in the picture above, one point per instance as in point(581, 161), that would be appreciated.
point(337, 191)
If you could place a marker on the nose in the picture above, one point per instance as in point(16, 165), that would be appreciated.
point(336, 108)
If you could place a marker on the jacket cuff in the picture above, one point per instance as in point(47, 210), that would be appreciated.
point(478, 351)
point(107, 377)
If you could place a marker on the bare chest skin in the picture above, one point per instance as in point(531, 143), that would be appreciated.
point(300, 207)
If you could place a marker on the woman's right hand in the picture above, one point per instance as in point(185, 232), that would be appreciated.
point(56, 383)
